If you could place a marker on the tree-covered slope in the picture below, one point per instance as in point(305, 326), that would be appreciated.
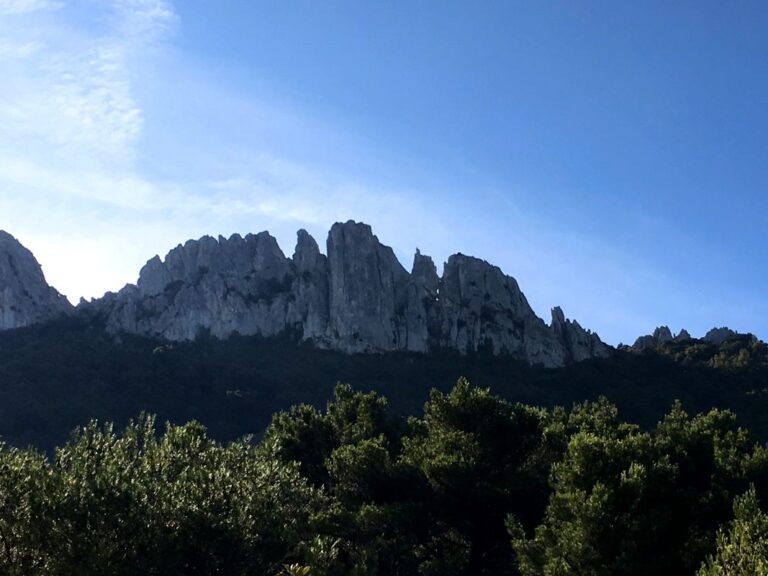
point(58, 375)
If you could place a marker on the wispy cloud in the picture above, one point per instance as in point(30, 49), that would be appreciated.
point(73, 123)
point(66, 95)
point(10, 7)
point(147, 20)
point(18, 51)
point(70, 123)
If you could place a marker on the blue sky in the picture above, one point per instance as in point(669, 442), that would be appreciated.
point(611, 156)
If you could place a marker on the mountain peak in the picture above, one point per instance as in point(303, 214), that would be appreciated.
point(357, 298)
point(717, 336)
point(25, 296)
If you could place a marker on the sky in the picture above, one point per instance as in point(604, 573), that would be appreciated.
point(611, 156)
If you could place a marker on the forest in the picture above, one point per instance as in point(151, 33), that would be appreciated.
point(59, 375)
point(247, 457)
point(474, 485)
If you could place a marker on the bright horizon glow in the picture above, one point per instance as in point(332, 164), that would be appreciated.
point(611, 158)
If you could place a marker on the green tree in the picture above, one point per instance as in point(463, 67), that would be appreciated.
point(742, 550)
point(27, 487)
point(351, 451)
point(132, 503)
point(627, 502)
point(302, 434)
point(482, 458)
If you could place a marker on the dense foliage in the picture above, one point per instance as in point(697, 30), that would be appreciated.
point(56, 376)
point(475, 485)
point(133, 504)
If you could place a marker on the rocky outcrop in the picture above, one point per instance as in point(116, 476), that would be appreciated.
point(481, 308)
point(25, 296)
point(579, 344)
point(660, 335)
point(663, 334)
point(717, 336)
point(358, 298)
point(422, 303)
point(367, 291)
point(221, 286)
point(682, 336)
point(308, 310)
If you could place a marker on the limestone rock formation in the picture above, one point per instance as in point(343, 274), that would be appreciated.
point(308, 312)
point(717, 336)
point(580, 344)
point(367, 290)
point(358, 298)
point(480, 307)
point(25, 296)
point(660, 335)
point(663, 334)
point(421, 297)
point(682, 336)
point(222, 286)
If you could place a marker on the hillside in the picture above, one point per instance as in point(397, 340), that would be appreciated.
point(57, 375)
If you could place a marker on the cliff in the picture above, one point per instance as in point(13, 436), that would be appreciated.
point(25, 296)
point(356, 298)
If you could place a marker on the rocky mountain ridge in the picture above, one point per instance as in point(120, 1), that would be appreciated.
point(355, 298)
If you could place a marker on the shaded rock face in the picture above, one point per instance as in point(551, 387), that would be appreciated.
point(580, 344)
point(717, 336)
point(660, 335)
point(682, 336)
point(422, 297)
point(25, 296)
point(358, 298)
point(663, 334)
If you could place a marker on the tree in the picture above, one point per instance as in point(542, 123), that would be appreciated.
point(27, 487)
point(132, 503)
point(626, 502)
point(742, 550)
point(482, 458)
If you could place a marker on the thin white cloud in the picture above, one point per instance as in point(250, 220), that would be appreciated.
point(70, 121)
point(144, 19)
point(9, 50)
point(69, 102)
point(10, 7)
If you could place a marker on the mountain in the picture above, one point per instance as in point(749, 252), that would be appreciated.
point(356, 299)
point(25, 296)
point(229, 331)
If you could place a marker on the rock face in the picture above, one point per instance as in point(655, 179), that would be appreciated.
point(682, 336)
point(717, 336)
point(581, 344)
point(25, 296)
point(358, 298)
point(367, 291)
point(663, 334)
point(660, 335)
